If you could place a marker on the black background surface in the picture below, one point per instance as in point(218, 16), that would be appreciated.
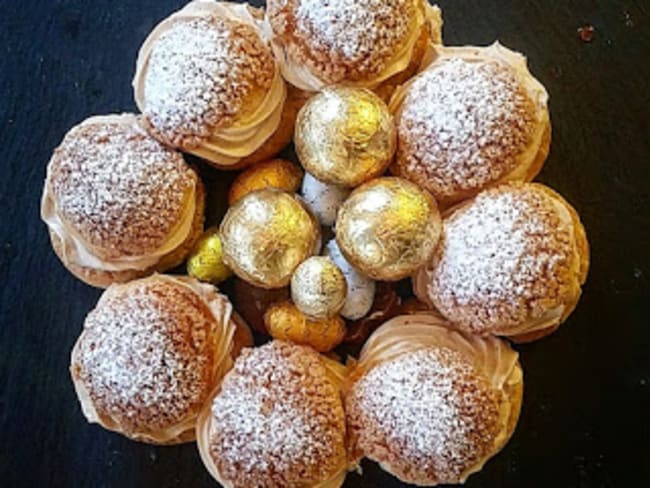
point(587, 398)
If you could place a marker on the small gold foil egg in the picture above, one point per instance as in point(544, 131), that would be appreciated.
point(276, 173)
point(285, 322)
point(266, 235)
point(206, 260)
point(318, 288)
point(388, 228)
point(345, 136)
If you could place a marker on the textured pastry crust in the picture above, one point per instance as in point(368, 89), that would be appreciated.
point(473, 119)
point(102, 279)
point(276, 420)
point(524, 287)
point(582, 245)
point(150, 354)
point(480, 378)
point(207, 83)
point(361, 46)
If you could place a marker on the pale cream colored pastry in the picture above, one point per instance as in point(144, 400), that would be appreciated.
point(374, 44)
point(510, 262)
point(474, 118)
point(150, 354)
point(276, 420)
point(207, 83)
point(118, 204)
point(430, 404)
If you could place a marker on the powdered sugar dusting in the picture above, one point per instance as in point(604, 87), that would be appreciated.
point(345, 39)
point(429, 415)
point(146, 355)
point(502, 259)
point(199, 76)
point(463, 124)
point(278, 420)
point(120, 189)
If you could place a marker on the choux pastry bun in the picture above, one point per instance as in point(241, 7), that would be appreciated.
point(207, 83)
point(474, 118)
point(277, 420)
point(430, 404)
point(150, 354)
point(118, 204)
point(510, 262)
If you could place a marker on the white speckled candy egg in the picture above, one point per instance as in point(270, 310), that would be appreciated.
point(323, 198)
point(361, 289)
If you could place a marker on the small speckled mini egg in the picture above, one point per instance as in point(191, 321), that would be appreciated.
point(324, 199)
point(318, 288)
point(361, 289)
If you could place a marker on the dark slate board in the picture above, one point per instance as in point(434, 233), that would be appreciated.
point(585, 417)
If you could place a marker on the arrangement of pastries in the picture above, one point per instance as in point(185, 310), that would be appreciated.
point(425, 384)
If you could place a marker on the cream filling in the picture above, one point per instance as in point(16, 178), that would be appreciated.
point(491, 356)
point(299, 75)
point(336, 372)
point(411, 333)
point(222, 311)
point(77, 251)
point(513, 60)
point(227, 145)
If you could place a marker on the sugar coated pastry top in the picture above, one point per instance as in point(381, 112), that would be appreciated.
point(429, 404)
point(277, 421)
point(150, 354)
point(345, 41)
point(511, 261)
point(116, 197)
point(207, 82)
point(474, 117)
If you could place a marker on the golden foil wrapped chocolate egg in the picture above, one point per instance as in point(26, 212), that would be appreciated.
point(345, 136)
point(285, 322)
point(276, 173)
point(388, 228)
point(206, 260)
point(266, 235)
point(318, 288)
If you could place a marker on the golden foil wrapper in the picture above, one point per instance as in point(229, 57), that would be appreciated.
point(345, 136)
point(388, 228)
point(285, 322)
point(266, 235)
point(318, 288)
point(206, 259)
point(276, 173)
